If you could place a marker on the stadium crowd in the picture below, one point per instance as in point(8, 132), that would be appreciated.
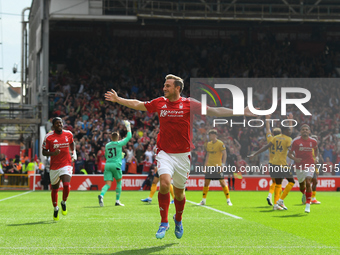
point(136, 70)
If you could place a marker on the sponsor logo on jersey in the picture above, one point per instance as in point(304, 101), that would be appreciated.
point(55, 141)
point(171, 113)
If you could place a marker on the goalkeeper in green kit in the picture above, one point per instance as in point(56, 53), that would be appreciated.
point(113, 155)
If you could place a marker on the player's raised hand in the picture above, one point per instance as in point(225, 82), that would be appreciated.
point(127, 125)
point(290, 116)
point(111, 96)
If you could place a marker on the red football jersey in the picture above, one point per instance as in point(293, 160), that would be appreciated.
point(174, 123)
point(62, 142)
point(304, 149)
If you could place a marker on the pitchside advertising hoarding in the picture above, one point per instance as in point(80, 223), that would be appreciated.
point(195, 182)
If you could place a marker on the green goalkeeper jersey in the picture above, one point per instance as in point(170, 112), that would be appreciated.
point(113, 150)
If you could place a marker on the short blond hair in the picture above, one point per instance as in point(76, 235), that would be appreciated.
point(178, 81)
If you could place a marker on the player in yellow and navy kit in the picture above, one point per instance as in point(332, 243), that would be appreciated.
point(216, 156)
point(279, 168)
point(269, 137)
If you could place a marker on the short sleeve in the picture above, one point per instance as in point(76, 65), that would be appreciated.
point(293, 146)
point(71, 138)
point(152, 106)
point(45, 144)
point(289, 142)
point(269, 137)
point(195, 106)
point(222, 146)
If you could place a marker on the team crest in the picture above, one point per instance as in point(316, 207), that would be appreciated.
point(311, 144)
point(66, 139)
point(180, 106)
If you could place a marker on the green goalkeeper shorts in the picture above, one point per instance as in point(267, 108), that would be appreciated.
point(112, 171)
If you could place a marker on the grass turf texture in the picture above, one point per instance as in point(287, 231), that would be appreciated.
point(27, 226)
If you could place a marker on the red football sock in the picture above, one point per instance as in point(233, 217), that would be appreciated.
point(303, 191)
point(164, 202)
point(308, 197)
point(179, 208)
point(66, 190)
point(54, 196)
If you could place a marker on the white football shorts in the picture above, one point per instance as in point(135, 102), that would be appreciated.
point(55, 174)
point(177, 165)
point(302, 175)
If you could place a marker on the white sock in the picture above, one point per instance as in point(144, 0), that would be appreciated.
point(270, 195)
point(56, 208)
point(313, 198)
point(63, 202)
point(204, 199)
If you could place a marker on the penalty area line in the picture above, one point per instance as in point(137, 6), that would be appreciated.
point(213, 209)
point(16, 195)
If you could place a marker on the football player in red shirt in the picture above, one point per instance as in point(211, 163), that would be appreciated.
point(304, 164)
point(56, 145)
point(173, 143)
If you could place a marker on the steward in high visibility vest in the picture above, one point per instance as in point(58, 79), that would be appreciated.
point(31, 167)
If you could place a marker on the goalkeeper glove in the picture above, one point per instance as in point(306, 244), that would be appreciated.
point(127, 125)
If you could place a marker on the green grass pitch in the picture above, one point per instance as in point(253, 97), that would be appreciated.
point(27, 227)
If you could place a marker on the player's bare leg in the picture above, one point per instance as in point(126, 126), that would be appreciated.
point(164, 202)
point(105, 188)
point(205, 191)
point(302, 186)
point(308, 193)
point(225, 191)
point(179, 205)
point(66, 179)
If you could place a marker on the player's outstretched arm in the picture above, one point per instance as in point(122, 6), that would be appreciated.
point(227, 112)
point(267, 124)
point(264, 148)
point(129, 134)
point(131, 103)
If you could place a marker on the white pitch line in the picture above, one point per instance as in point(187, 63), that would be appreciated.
point(16, 195)
point(213, 209)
